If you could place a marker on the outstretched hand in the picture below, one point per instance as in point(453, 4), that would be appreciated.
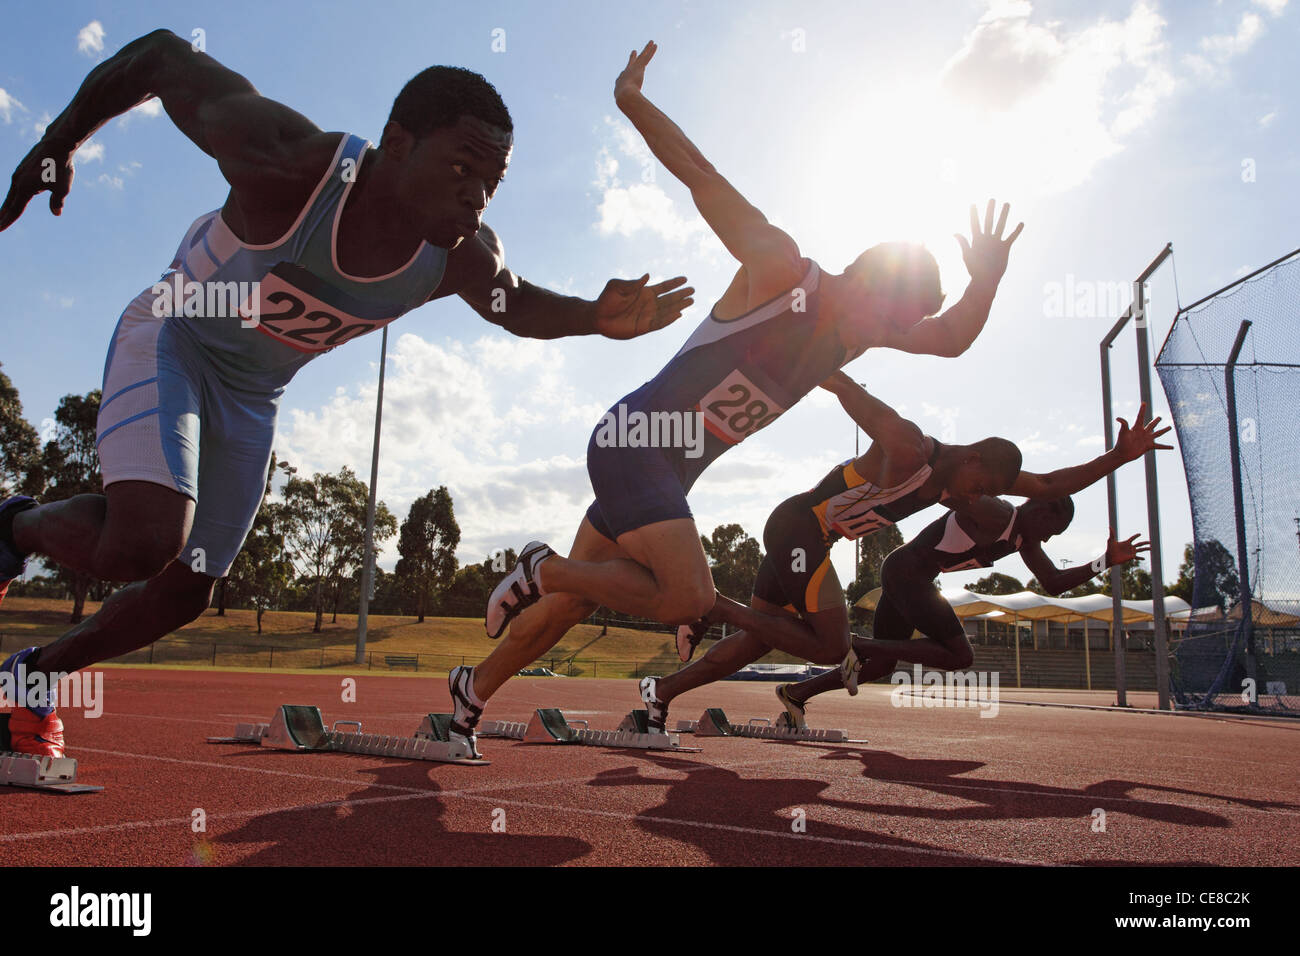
point(629, 307)
point(1121, 552)
point(1135, 442)
point(629, 81)
point(986, 253)
point(47, 167)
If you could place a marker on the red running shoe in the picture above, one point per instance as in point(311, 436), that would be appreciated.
point(39, 736)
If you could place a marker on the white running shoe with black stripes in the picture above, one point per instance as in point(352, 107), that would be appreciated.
point(466, 713)
point(656, 709)
point(517, 590)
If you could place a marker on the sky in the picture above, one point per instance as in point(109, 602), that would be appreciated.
point(1111, 128)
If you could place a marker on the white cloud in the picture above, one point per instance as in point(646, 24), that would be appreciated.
point(1217, 51)
point(1047, 104)
point(1267, 119)
point(8, 104)
point(149, 109)
point(1035, 447)
point(456, 415)
point(627, 209)
point(113, 182)
point(90, 38)
point(89, 153)
point(1272, 7)
point(1091, 441)
point(42, 124)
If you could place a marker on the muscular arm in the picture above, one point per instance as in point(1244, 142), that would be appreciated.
point(896, 435)
point(1066, 481)
point(741, 227)
point(518, 306)
point(1131, 445)
point(951, 333)
point(1055, 581)
point(255, 140)
point(625, 309)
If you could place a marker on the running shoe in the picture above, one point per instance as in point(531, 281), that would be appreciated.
point(656, 709)
point(792, 717)
point(32, 727)
point(849, 668)
point(466, 714)
point(517, 590)
point(36, 735)
point(688, 638)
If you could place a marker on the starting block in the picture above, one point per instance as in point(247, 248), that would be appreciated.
point(550, 726)
point(714, 723)
point(511, 729)
point(302, 728)
point(55, 774)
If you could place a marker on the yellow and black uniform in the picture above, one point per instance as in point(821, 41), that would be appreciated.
point(796, 572)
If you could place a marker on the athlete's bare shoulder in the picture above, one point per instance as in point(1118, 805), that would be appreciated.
point(754, 286)
point(474, 264)
point(261, 208)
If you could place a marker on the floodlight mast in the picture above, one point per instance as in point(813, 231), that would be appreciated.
point(368, 551)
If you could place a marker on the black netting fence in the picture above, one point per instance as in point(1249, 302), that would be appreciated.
point(1224, 658)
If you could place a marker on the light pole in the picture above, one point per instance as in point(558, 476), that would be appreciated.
point(368, 552)
point(857, 542)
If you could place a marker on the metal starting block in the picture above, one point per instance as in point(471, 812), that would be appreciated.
point(550, 726)
point(714, 723)
point(302, 728)
point(513, 729)
point(55, 774)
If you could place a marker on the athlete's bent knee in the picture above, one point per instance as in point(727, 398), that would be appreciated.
point(686, 606)
point(187, 593)
point(573, 608)
point(137, 558)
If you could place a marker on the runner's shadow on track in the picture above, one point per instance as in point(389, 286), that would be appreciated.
point(745, 822)
point(1015, 799)
point(397, 818)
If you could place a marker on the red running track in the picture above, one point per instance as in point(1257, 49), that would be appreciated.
point(933, 787)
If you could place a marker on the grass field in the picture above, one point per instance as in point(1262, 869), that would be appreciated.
point(287, 641)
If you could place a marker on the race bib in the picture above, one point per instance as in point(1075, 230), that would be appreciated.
point(858, 525)
point(735, 408)
point(299, 319)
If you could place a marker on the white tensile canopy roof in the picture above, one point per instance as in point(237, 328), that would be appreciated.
point(1030, 606)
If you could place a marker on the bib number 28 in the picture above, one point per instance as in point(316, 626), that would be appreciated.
point(736, 408)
